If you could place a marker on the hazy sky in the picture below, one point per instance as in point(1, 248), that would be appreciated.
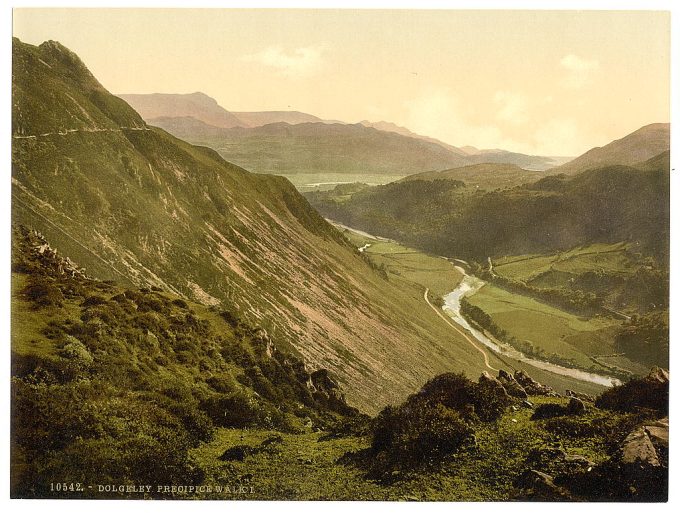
point(542, 82)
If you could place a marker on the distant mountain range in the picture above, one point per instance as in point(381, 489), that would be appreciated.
point(196, 105)
point(282, 148)
point(442, 213)
point(277, 157)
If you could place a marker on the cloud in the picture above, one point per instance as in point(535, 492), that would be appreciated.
point(579, 70)
point(438, 112)
point(513, 107)
point(301, 62)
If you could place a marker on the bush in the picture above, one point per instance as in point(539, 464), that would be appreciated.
point(646, 393)
point(414, 434)
point(43, 293)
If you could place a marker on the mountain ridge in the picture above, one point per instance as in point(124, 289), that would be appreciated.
point(144, 208)
point(642, 144)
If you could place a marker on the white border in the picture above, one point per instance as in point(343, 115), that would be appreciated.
point(304, 507)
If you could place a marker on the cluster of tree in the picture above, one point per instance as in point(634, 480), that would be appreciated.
point(609, 204)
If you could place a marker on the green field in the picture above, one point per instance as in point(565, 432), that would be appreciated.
point(408, 264)
point(549, 328)
point(556, 269)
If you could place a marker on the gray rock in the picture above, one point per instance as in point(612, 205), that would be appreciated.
point(511, 386)
point(575, 407)
point(581, 396)
point(638, 449)
point(531, 386)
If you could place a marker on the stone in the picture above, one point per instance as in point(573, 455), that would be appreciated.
point(537, 485)
point(638, 449)
point(657, 374)
point(511, 386)
point(658, 432)
point(531, 386)
point(575, 407)
point(579, 395)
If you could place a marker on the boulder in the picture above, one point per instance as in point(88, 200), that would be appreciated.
point(638, 449)
point(531, 386)
point(488, 380)
point(658, 432)
point(579, 395)
point(511, 386)
point(539, 486)
point(657, 375)
point(575, 407)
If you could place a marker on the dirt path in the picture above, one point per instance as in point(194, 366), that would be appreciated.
point(486, 356)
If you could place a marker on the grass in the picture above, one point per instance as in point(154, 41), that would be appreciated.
point(305, 466)
point(547, 327)
point(607, 257)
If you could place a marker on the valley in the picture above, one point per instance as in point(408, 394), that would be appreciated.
point(301, 308)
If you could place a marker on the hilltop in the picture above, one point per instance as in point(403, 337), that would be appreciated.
point(283, 148)
point(197, 105)
point(636, 147)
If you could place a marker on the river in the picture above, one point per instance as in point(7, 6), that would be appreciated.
point(470, 285)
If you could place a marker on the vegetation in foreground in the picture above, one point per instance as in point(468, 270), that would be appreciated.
point(117, 387)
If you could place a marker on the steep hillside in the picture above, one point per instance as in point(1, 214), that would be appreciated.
point(282, 148)
point(196, 105)
point(529, 162)
point(387, 126)
point(133, 204)
point(641, 145)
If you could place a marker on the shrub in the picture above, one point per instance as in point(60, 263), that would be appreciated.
point(43, 293)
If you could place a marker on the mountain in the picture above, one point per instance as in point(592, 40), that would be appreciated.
point(641, 145)
point(133, 204)
point(607, 204)
point(282, 148)
point(485, 176)
point(387, 126)
point(529, 162)
point(196, 105)
point(291, 117)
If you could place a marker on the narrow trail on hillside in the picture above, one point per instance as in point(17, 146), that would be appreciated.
point(68, 131)
point(486, 356)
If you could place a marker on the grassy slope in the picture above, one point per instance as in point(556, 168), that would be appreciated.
point(485, 176)
point(305, 467)
point(143, 208)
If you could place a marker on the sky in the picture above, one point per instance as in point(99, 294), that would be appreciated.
point(539, 82)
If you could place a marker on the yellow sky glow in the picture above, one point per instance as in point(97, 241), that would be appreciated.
point(540, 82)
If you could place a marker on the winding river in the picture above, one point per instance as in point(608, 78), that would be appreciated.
point(470, 285)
